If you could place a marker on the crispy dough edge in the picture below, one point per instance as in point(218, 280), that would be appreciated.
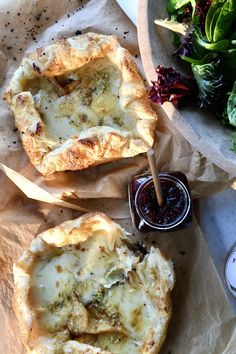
point(82, 153)
point(70, 232)
point(165, 329)
point(169, 310)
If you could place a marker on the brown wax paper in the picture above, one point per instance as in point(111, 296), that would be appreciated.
point(202, 321)
point(27, 25)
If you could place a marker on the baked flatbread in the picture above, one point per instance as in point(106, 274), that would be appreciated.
point(80, 102)
point(83, 288)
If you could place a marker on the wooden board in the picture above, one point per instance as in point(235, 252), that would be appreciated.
point(200, 128)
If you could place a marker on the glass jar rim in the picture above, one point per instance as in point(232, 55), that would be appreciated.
point(183, 215)
point(230, 286)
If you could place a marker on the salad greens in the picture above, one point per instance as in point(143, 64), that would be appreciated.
point(174, 5)
point(204, 32)
point(211, 86)
point(231, 106)
point(212, 17)
point(233, 146)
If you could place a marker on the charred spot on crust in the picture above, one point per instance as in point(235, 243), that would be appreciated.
point(128, 65)
point(83, 117)
point(89, 142)
point(40, 51)
point(136, 247)
point(20, 100)
point(58, 268)
point(38, 128)
point(36, 69)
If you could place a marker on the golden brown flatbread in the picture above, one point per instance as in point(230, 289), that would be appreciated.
point(80, 102)
point(82, 287)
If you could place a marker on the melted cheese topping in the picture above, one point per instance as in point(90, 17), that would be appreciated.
point(90, 99)
point(93, 292)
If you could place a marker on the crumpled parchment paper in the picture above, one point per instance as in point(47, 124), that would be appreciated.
point(26, 26)
point(202, 322)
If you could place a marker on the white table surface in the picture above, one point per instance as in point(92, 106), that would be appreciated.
point(130, 8)
point(218, 224)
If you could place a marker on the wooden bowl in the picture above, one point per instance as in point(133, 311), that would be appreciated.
point(200, 128)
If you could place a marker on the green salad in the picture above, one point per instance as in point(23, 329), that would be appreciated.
point(204, 35)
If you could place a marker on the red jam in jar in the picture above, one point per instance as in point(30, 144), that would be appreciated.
point(176, 211)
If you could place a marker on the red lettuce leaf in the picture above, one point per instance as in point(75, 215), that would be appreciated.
point(171, 86)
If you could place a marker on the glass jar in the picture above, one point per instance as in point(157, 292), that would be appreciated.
point(230, 272)
point(173, 215)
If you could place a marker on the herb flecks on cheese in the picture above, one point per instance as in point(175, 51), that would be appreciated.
point(80, 102)
point(91, 99)
point(87, 290)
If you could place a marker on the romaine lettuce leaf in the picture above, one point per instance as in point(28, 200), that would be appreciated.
point(174, 5)
point(224, 21)
point(231, 106)
point(211, 18)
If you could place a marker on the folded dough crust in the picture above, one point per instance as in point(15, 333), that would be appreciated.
point(81, 287)
point(80, 102)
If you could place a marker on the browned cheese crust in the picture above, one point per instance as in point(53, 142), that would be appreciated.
point(96, 143)
point(149, 280)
